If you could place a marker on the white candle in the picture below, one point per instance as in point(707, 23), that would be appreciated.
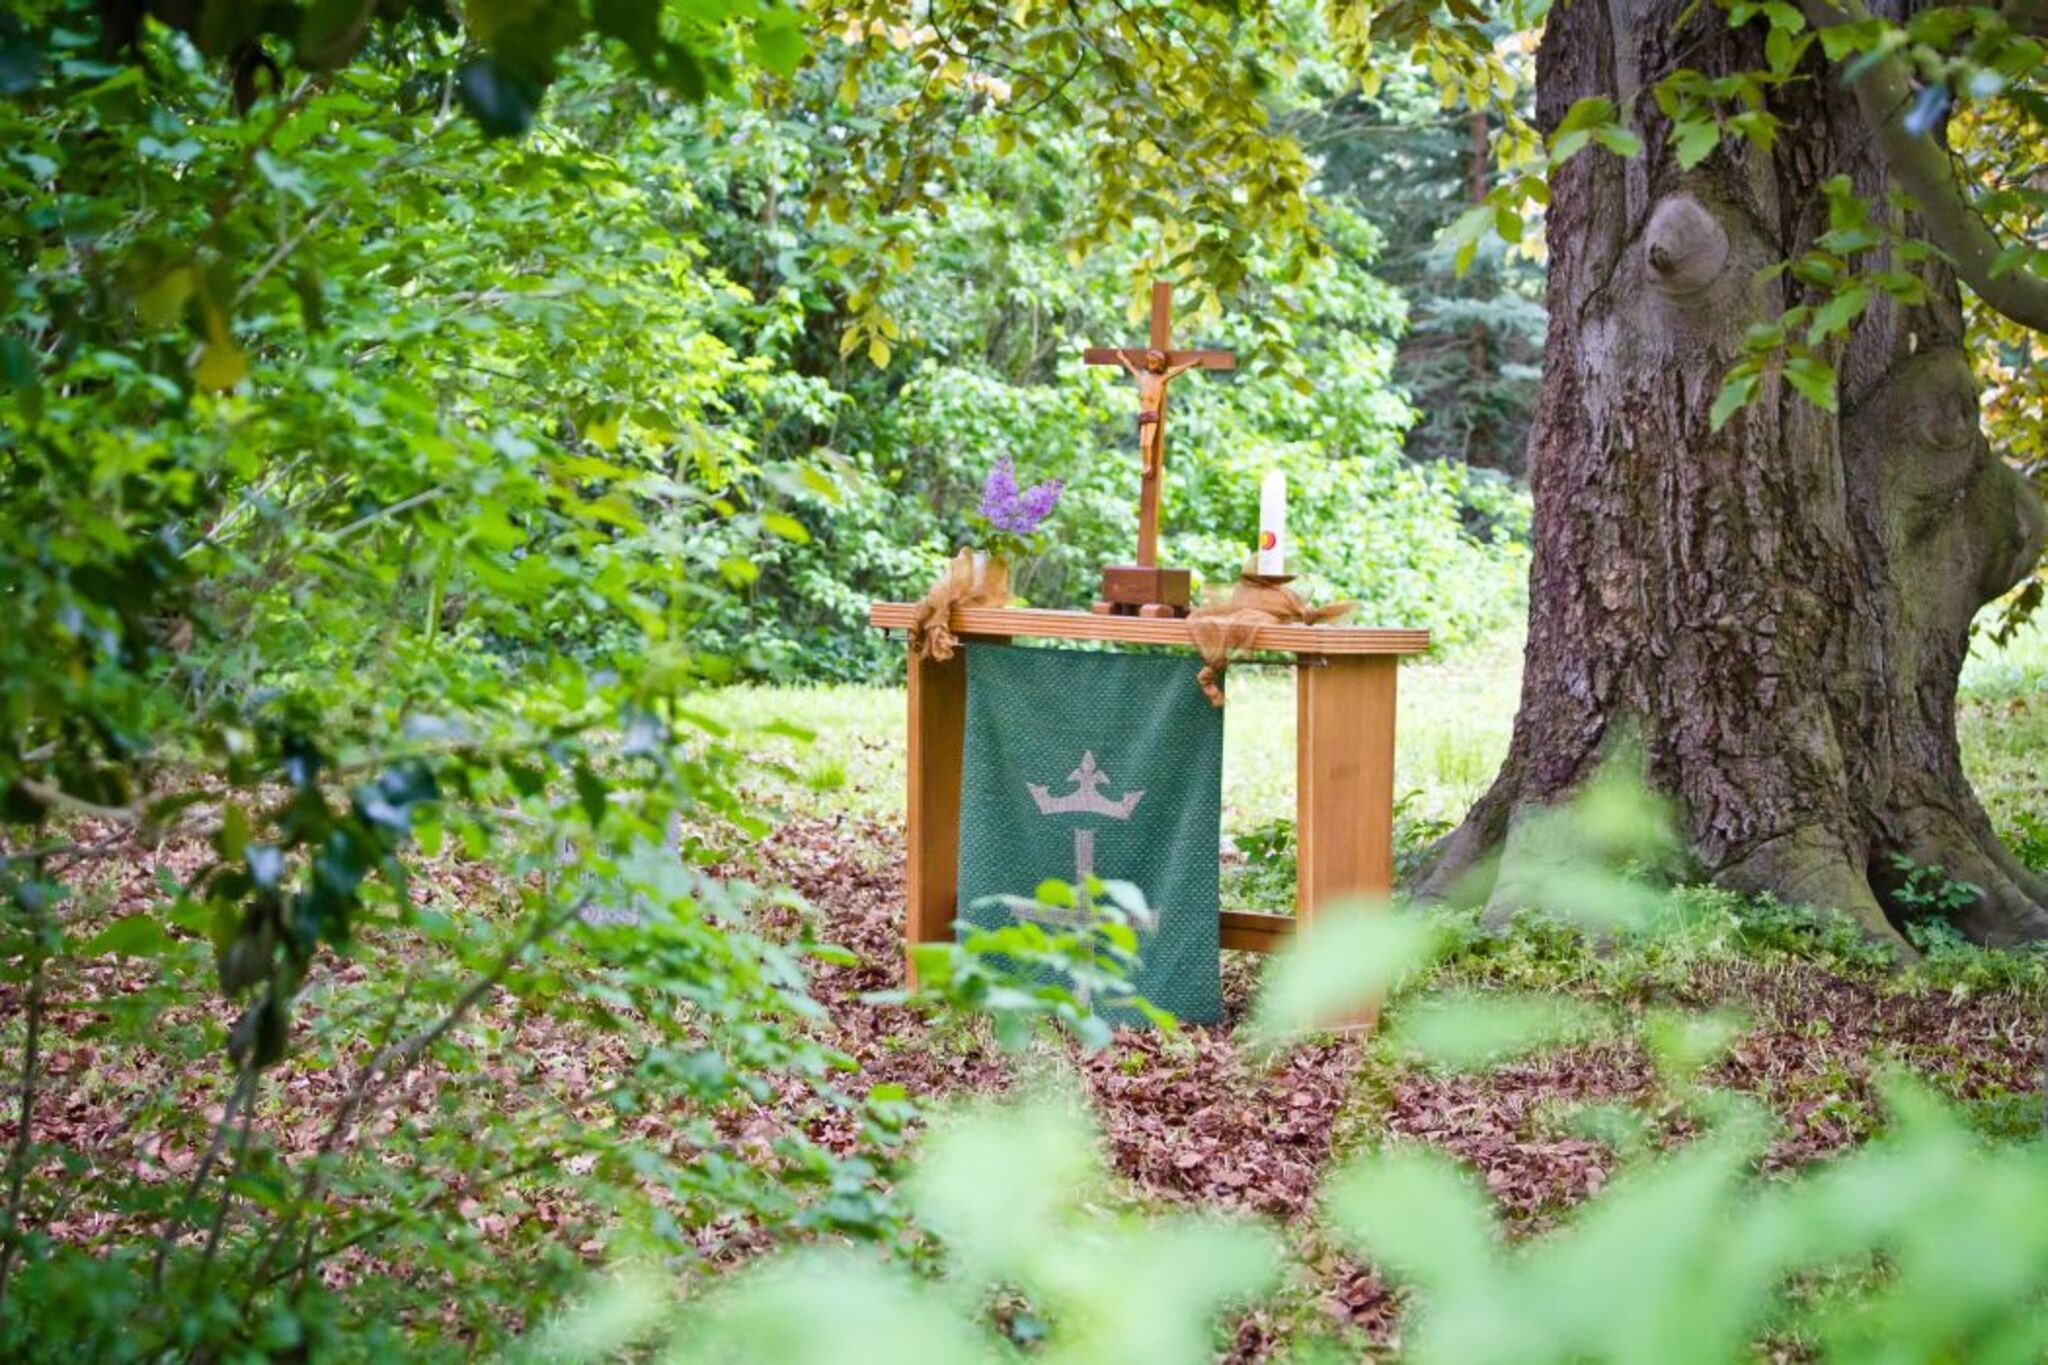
point(1273, 524)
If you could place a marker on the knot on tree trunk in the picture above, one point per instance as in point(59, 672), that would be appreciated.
point(1685, 245)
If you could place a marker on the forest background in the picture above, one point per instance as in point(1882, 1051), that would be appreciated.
point(393, 931)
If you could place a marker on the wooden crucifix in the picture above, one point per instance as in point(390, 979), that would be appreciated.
point(1144, 588)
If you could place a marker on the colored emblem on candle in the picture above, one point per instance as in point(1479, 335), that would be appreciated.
point(1272, 556)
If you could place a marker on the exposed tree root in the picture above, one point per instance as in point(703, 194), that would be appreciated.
point(1498, 859)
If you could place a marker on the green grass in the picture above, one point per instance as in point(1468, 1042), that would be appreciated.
point(1453, 729)
point(1455, 717)
point(2003, 720)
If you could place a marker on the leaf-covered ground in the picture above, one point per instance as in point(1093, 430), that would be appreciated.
point(1203, 1123)
point(1198, 1122)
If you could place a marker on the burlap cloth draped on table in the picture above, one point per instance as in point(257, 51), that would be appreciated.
point(959, 585)
point(1225, 626)
point(1221, 627)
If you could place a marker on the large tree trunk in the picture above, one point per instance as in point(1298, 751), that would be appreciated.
point(1778, 612)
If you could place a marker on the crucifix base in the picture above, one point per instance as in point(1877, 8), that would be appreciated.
point(1144, 590)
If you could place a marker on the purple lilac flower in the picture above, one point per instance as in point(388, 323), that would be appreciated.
point(999, 490)
point(1006, 509)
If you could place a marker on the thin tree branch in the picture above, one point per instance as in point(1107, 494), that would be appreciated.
point(52, 795)
point(402, 505)
point(71, 850)
point(388, 1060)
point(31, 1055)
point(1923, 169)
point(227, 518)
point(243, 1093)
point(385, 1222)
point(226, 1202)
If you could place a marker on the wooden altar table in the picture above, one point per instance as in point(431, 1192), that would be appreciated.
point(1344, 754)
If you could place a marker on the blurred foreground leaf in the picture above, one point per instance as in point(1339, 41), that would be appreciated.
point(1464, 1030)
point(1345, 959)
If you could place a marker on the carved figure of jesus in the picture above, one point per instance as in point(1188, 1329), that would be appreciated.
point(1152, 379)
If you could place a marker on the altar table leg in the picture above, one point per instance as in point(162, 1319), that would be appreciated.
point(937, 732)
point(1345, 779)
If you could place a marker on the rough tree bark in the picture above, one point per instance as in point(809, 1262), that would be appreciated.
point(1778, 612)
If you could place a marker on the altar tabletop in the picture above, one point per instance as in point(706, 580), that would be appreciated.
point(1039, 624)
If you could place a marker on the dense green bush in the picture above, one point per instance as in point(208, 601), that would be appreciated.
point(991, 312)
point(385, 491)
point(1438, 545)
point(344, 663)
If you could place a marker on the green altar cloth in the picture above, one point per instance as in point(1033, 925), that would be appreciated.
point(1080, 762)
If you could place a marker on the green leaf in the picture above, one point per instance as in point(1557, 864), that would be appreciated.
point(130, 936)
point(1849, 241)
point(526, 779)
point(1814, 378)
point(164, 301)
point(1778, 50)
point(1126, 896)
point(1591, 120)
point(221, 365)
point(1785, 18)
point(1414, 1211)
point(1587, 114)
point(233, 838)
point(1837, 313)
point(606, 1320)
point(1467, 1030)
point(1052, 891)
point(1695, 141)
point(819, 482)
point(591, 794)
point(1681, 1042)
point(788, 527)
point(777, 40)
point(1767, 336)
point(1345, 959)
point(1843, 40)
point(1736, 390)
point(1465, 232)
point(603, 431)
point(1507, 222)
point(1565, 146)
point(1620, 141)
